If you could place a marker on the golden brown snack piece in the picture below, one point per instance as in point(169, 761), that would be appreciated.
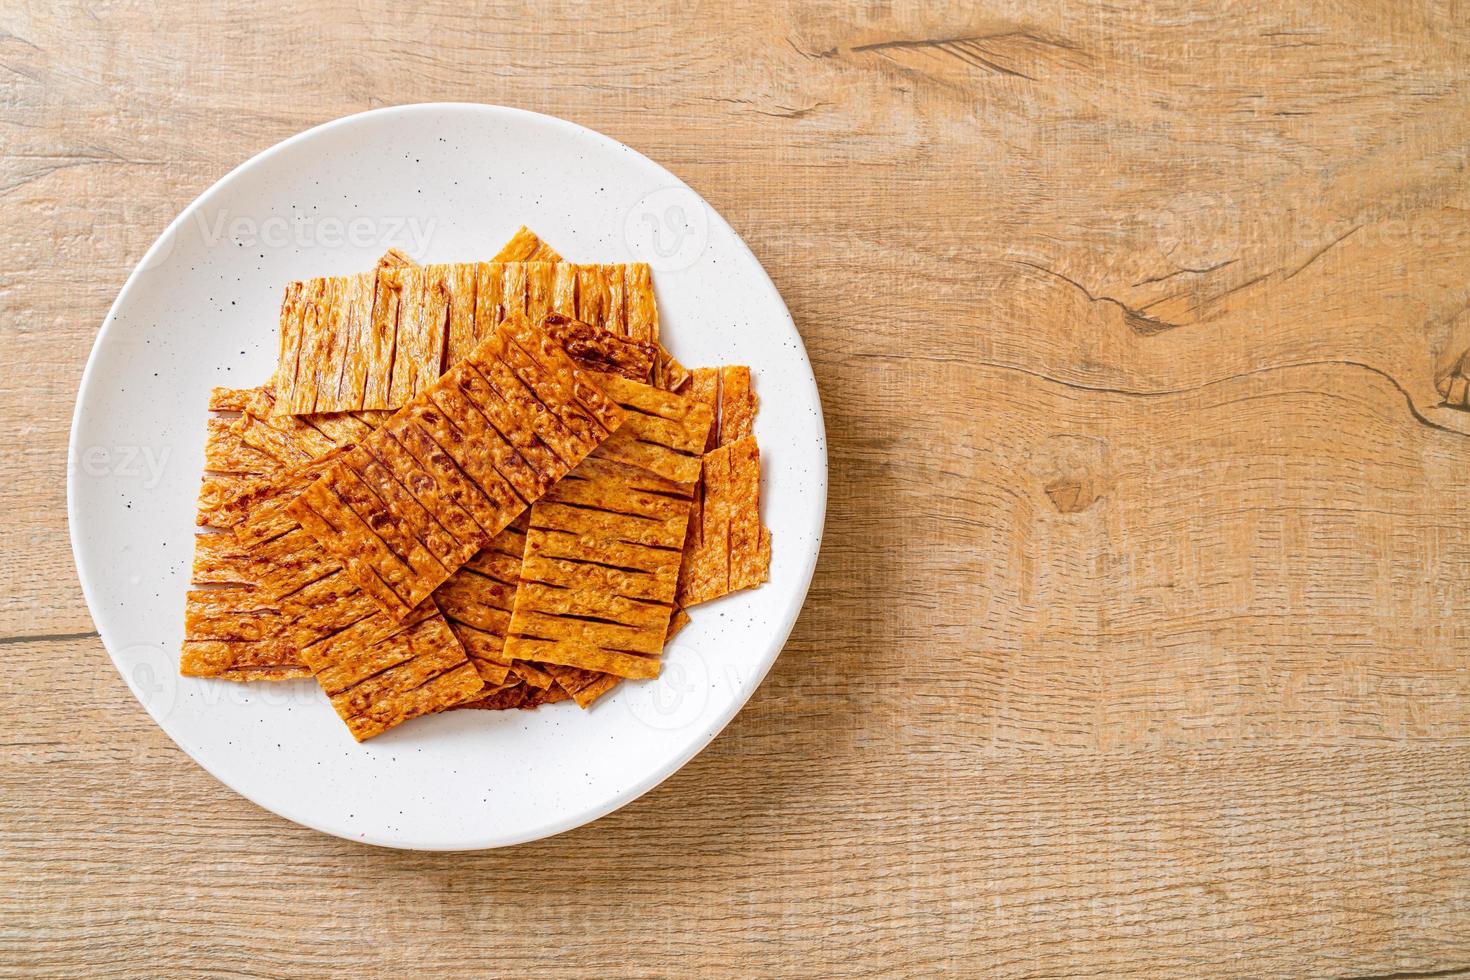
point(727, 548)
point(320, 331)
point(239, 452)
point(375, 340)
point(226, 452)
point(256, 511)
point(377, 672)
point(679, 620)
point(750, 542)
point(417, 669)
point(477, 600)
point(219, 560)
point(704, 571)
point(416, 499)
point(229, 462)
point(598, 295)
point(519, 695)
point(503, 698)
point(624, 306)
point(703, 386)
point(215, 489)
point(231, 631)
point(554, 694)
point(421, 300)
point(737, 404)
point(668, 373)
point(534, 675)
point(640, 321)
point(642, 327)
point(584, 686)
point(526, 246)
point(290, 440)
point(598, 350)
point(222, 399)
point(368, 341)
point(394, 258)
point(728, 393)
point(602, 555)
point(332, 350)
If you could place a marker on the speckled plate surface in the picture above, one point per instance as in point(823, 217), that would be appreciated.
point(444, 183)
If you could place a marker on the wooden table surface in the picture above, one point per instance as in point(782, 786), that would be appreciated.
point(1139, 638)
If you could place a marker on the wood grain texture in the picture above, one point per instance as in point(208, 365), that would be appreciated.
point(1138, 644)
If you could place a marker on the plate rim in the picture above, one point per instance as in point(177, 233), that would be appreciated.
point(618, 800)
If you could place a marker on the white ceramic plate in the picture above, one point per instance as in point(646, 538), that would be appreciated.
point(445, 183)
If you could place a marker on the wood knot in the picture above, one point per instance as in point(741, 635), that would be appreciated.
point(1454, 384)
point(1452, 367)
point(1071, 495)
point(1072, 471)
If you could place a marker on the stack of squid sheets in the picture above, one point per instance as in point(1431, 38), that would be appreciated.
point(479, 485)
